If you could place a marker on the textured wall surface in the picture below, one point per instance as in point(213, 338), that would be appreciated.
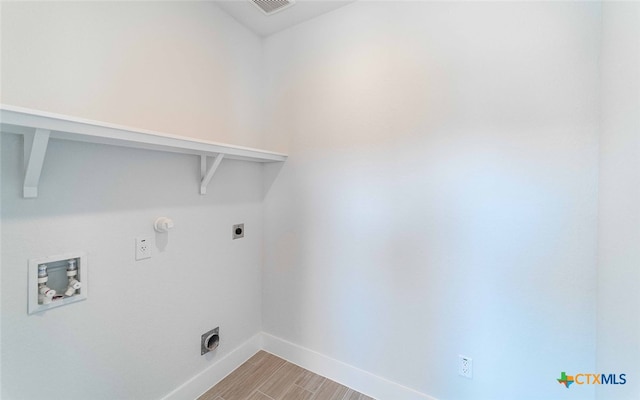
point(619, 213)
point(185, 68)
point(441, 193)
point(137, 336)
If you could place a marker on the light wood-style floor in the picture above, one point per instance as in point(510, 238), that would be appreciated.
point(267, 377)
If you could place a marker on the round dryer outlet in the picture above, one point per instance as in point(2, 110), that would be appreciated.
point(209, 341)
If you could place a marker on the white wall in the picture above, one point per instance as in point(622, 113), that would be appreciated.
point(619, 212)
point(0, 210)
point(436, 149)
point(1, 342)
point(185, 68)
point(441, 193)
point(137, 336)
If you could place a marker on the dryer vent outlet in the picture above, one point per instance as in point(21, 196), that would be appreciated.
point(209, 341)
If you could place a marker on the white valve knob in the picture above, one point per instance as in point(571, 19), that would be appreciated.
point(47, 292)
point(73, 286)
point(163, 224)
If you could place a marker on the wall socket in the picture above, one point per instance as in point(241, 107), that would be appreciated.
point(238, 231)
point(143, 248)
point(465, 366)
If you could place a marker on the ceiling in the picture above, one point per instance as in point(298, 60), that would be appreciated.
point(251, 17)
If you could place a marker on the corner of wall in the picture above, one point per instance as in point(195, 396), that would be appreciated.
point(338, 371)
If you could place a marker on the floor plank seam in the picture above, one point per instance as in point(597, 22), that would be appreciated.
point(304, 388)
point(264, 394)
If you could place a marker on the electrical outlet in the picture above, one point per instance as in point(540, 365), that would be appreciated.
point(238, 231)
point(465, 366)
point(143, 248)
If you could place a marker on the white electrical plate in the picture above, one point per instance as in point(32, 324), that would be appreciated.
point(82, 293)
point(465, 366)
point(143, 248)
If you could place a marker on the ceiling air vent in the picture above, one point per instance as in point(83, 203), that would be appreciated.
point(269, 7)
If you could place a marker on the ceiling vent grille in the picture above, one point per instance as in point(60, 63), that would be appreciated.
point(269, 7)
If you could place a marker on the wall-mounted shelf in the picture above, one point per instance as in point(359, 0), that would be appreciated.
point(39, 126)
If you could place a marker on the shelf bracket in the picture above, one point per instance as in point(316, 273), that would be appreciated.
point(35, 148)
point(207, 174)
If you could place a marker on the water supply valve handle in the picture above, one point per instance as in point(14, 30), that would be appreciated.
point(47, 292)
point(73, 286)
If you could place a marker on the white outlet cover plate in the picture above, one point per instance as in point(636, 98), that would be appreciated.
point(143, 248)
point(465, 366)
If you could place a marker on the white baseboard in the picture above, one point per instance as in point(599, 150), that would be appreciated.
point(348, 375)
point(202, 382)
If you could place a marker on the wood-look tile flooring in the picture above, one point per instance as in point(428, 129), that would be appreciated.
point(267, 377)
